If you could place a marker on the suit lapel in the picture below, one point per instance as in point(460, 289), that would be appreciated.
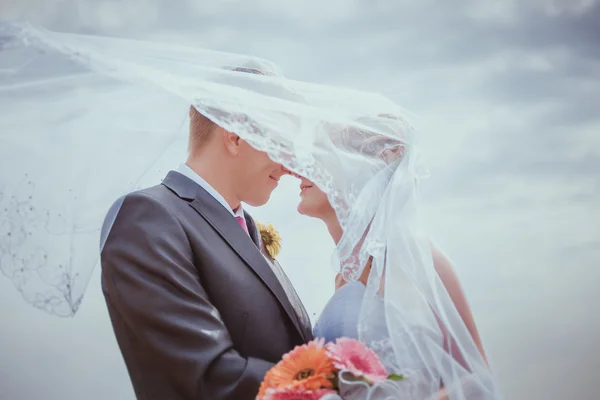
point(253, 230)
point(299, 310)
point(228, 228)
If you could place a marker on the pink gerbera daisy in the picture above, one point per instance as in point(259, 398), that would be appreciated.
point(353, 356)
point(296, 394)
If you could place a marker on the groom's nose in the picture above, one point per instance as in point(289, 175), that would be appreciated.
point(291, 173)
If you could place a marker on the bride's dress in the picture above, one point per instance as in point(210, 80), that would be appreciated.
point(340, 318)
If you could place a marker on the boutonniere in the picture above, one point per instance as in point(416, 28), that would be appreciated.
point(270, 238)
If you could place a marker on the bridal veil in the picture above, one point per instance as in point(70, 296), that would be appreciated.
point(87, 119)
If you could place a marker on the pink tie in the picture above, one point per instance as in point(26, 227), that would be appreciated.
point(242, 223)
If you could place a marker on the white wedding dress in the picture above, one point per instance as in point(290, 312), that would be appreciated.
point(340, 318)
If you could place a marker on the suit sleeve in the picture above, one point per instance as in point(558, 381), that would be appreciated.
point(151, 281)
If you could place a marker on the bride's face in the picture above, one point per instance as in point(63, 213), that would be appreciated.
point(313, 201)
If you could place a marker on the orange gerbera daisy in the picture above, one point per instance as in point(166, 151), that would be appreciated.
point(307, 367)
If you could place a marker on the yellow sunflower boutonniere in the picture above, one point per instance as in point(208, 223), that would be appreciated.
point(270, 238)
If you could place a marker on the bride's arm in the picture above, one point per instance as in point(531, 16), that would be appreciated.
point(339, 281)
point(450, 281)
point(364, 277)
point(448, 277)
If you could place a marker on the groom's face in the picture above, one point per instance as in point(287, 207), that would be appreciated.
point(257, 175)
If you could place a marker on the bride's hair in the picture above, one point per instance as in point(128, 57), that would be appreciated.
point(390, 148)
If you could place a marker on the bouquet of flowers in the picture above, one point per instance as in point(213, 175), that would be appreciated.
point(340, 370)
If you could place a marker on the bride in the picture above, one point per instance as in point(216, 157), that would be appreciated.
point(340, 317)
point(355, 153)
point(354, 311)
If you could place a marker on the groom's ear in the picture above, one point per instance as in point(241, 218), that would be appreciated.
point(231, 141)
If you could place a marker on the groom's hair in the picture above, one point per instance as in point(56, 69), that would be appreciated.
point(200, 126)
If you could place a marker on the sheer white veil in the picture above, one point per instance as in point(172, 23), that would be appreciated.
point(88, 119)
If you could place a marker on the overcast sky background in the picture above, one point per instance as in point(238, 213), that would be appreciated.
point(508, 99)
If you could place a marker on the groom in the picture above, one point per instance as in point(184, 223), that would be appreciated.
point(198, 311)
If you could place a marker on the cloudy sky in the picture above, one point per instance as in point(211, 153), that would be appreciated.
point(507, 96)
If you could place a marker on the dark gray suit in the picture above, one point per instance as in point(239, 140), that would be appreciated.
point(196, 308)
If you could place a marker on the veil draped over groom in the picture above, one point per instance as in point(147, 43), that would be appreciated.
point(77, 105)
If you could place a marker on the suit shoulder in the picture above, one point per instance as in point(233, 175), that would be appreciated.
point(158, 193)
point(158, 196)
point(155, 202)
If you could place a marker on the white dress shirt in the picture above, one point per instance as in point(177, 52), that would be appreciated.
point(188, 172)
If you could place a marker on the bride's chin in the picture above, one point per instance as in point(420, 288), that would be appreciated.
point(302, 209)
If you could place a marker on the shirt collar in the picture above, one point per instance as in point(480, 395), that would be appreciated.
point(191, 174)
